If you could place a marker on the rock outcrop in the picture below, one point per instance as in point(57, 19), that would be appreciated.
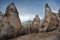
point(50, 22)
point(59, 17)
point(10, 23)
point(35, 24)
point(12, 17)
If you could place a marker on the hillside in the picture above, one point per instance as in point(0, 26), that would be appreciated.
point(39, 36)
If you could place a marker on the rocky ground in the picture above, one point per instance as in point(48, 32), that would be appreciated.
point(39, 36)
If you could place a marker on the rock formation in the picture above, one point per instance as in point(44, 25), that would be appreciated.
point(59, 17)
point(11, 24)
point(36, 23)
point(50, 21)
point(12, 17)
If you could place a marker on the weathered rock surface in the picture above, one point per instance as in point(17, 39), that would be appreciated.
point(11, 27)
point(39, 36)
point(12, 16)
point(50, 21)
point(36, 24)
point(10, 23)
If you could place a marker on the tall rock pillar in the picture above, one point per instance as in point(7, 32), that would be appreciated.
point(36, 23)
point(50, 22)
point(12, 17)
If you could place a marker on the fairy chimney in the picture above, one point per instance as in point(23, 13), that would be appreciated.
point(12, 16)
point(10, 24)
point(50, 21)
point(36, 23)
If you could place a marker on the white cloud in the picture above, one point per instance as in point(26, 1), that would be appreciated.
point(27, 17)
point(54, 11)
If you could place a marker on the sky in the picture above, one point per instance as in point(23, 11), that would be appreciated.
point(29, 8)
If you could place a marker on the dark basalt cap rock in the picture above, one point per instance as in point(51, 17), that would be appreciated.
point(47, 5)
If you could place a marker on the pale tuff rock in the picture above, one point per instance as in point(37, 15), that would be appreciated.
point(11, 8)
point(50, 21)
point(59, 17)
point(12, 16)
point(11, 24)
point(36, 23)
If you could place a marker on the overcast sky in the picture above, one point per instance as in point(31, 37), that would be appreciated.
point(29, 8)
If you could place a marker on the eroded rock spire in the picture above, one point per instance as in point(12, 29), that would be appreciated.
point(11, 9)
point(36, 24)
point(37, 19)
point(13, 17)
point(50, 21)
point(11, 22)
